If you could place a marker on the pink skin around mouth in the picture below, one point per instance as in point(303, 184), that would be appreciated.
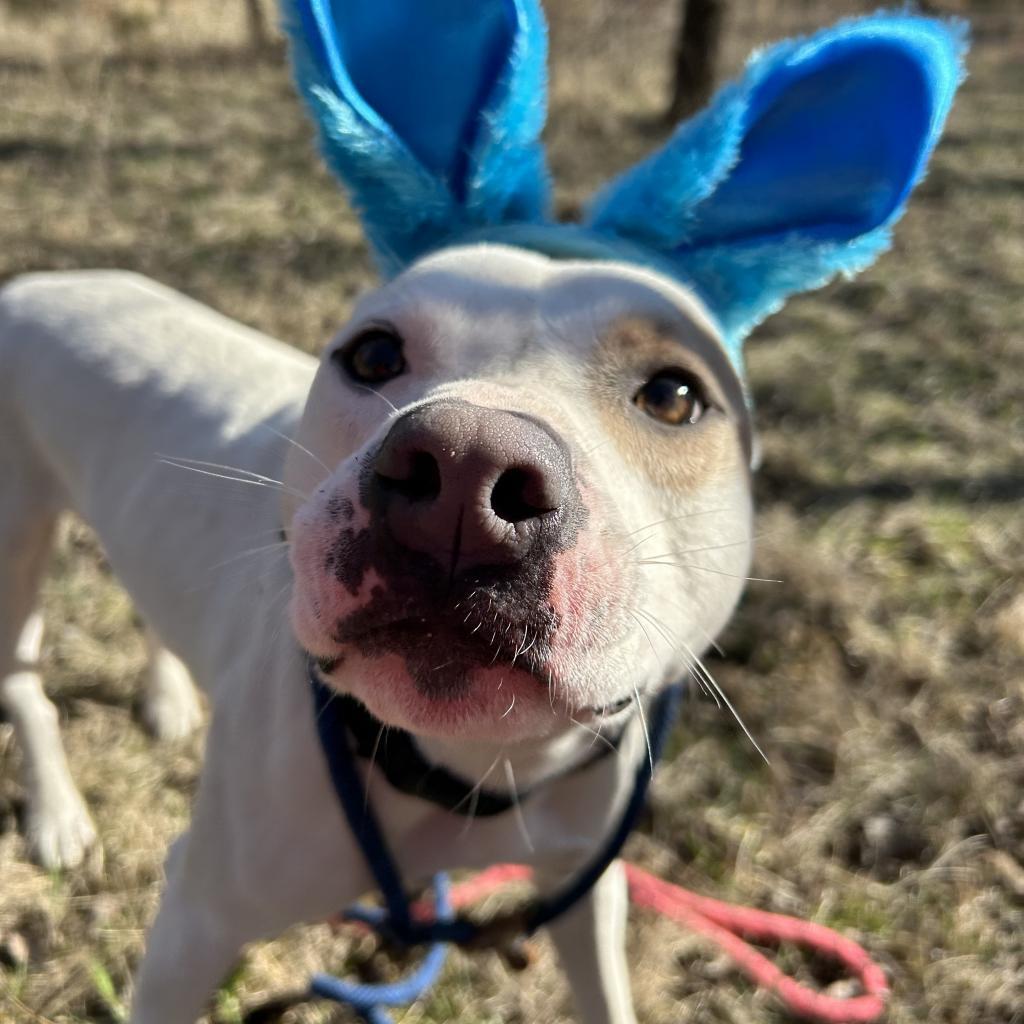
point(500, 704)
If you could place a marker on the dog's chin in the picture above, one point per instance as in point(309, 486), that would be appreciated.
point(486, 704)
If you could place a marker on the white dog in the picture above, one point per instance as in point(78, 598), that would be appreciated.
point(519, 617)
point(516, 499)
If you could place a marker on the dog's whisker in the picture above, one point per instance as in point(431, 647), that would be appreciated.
point(692, 664)
point(510, 707)
point(691, 668)
point(473, 796)
point(705, 689)
point(250, 552)
point(183, 461)
point(253, 479)
point(635, 613)
point(636, 692)
point(594, 448)
point(273, 531)
point(676, 519)
point(275, 607)
point(241, 572)
point(520, 647)
point(725, 700)
point(331, 698)
point(301, 448)
point(650, 642)
point(682, 554)
point(694, 621)
point(517, 806)
point(688, 515)
point(596, 733)
point(643, 726)
point(249, 499)
point(384, 398)
point(744, 541)
point(663, 631)
point(705, 568)
point(474, 804)
point(637, 544)
point(712, 642)
point(694, 671)
point(369, 770)
point(674, 641)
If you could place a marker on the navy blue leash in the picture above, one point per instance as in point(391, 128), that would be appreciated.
point(396, 922)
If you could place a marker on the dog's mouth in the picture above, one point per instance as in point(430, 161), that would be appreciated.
point(452, 646)
point(443, 645)
point(330, 663)
point(441, 651)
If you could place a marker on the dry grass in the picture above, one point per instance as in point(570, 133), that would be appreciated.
point(885, 676)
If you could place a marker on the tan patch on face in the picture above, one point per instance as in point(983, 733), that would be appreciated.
point(676, 458)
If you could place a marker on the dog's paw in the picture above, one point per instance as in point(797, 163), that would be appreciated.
point(59, 830)
point(171, 709)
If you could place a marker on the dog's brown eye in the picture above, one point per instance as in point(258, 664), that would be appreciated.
point(373, 357)
point(673, 397)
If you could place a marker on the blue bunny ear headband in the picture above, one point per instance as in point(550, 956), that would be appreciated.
point(430, 112)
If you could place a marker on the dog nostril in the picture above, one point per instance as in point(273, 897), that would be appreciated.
point(421, 480)
point(522, 494)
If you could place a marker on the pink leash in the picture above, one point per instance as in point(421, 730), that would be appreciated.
point(731, 928)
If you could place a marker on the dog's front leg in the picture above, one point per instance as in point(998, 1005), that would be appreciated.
point(211, 904)
point(192, 945)
point(268, 846)
point(591, 943)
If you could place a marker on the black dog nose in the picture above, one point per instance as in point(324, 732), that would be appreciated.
point(469, 484)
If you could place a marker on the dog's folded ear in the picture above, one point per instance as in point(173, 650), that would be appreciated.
point(797, 171)
point(430, 111)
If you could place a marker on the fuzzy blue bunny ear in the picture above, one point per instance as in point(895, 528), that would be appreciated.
point(430, 112)
point(795, 172)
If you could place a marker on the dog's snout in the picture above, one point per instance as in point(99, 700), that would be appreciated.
point(482, 480)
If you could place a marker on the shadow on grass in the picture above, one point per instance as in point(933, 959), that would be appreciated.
point(60, 152)
point(803, 493)
point(197, 58)
point(236, 261)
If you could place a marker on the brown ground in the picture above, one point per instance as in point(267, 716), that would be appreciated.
point(885, 675)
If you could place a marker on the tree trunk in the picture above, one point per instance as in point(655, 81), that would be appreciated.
point(695, 57)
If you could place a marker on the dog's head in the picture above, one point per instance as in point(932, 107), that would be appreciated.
point(539, 500)
point(528, 483)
